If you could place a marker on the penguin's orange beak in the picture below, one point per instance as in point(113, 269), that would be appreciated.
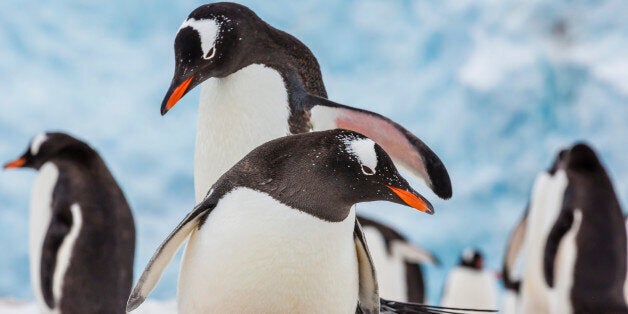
point(176, 95)
point(15, 164)
point(412, 200)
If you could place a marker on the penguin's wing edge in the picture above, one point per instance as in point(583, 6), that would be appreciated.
point(414, 253)
point(407, 150)
point(368, 295)
point(165, 253)
point(62, 222)
point(513, 250)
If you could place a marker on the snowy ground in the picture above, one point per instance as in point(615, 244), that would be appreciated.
point(494, 87)
point(11, 306)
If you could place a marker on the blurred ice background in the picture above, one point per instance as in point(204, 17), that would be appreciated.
point(494, 87)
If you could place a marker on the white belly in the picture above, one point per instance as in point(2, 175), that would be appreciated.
point(546, 202)
point(236, 114)
point(40, 215)
point(252, 256)
point(564, 266)
point(467, 288)
point(391, 269)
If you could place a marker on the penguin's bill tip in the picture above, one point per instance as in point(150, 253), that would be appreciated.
point(18, 163)
point(134, 302)
point(175, 95)
point(413, 200)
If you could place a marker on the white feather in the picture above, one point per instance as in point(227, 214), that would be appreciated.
point(470, 288)
point(254, 255)
point(207, 31)
point(236, 114)
point(40, 215)
point(65, 252)
point(564, 266)
point(38, 140)
point(390, 269)
point(546, 202)
point(364, 151)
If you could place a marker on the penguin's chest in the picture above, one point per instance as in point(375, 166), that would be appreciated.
point(40, 217)
point(236, 114)
point(255, 255)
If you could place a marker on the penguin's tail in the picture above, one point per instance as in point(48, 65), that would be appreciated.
point(387, 306)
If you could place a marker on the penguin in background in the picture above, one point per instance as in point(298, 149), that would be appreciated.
point(397, 261)
point(259, 83)
point(469, 284)
point(572, 239)
point(81, 234)
point(529, 293)
point(585, 254)
point(277, 233)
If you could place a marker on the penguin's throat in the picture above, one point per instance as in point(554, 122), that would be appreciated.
point(236, 114)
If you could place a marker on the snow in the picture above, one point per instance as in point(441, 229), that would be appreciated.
point(494, 87)
point(12, 306)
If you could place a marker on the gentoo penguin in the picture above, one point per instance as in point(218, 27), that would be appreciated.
point(277, 233)
point(569, 227)
point(259, 83)
point(530, 236)
point(469, 285)
point(82, 235)
point(585, 254)
point(396, 261)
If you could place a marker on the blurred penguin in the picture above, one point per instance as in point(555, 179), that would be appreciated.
point(585, 254)
point(574, 241)
point(469, 285)
point(530, 237)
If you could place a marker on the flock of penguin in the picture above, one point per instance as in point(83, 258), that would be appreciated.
point(278, 169)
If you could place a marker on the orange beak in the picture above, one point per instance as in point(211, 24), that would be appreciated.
point(15, 164)
point(412, 200)
point(178, 93)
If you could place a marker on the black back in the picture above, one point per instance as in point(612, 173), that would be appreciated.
point(100, 272)
point(600, 269)
point(329, 180)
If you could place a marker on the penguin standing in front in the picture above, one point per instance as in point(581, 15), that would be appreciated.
point(82, 234)
point(259, 83)
point(469, 285)
point(585, 254)
point(277, 233)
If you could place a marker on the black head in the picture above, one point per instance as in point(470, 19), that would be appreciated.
point(472, 258)
point(47, 146)
point(324, 174)
point(589, 184)
point(215, 40)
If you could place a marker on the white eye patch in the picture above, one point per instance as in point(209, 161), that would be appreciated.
point(208, 32)
point(38, 140)
point(364, 151)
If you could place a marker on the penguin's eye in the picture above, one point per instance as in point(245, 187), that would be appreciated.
point(210, 54)
point(367, 171)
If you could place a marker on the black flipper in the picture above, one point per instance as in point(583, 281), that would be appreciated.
point(560, 228)
point(368, 296)
point(58, 230)
point(405, 149)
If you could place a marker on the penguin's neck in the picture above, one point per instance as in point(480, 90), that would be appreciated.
point(236, 114)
